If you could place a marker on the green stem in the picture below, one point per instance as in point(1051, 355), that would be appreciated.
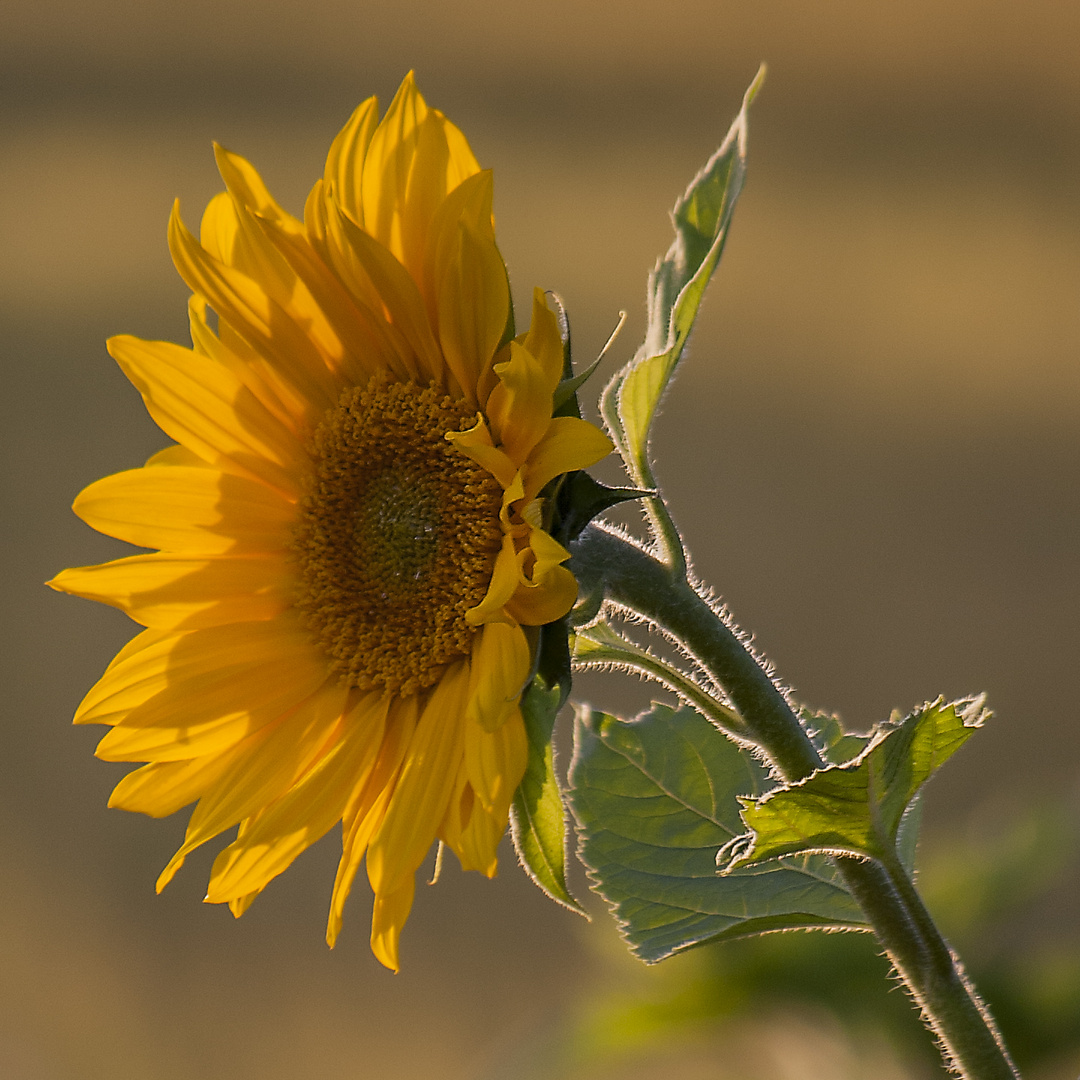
point(665, 534)
point(635, 580)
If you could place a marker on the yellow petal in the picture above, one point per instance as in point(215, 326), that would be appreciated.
point(423, 789)
point(473, 297)
point(568, 444)
point(500, 664)
point(504, 580)
point(177, 455)
point(546, 600)
point(399, 295)
point(204, 406)
point(416, 156)
point(388, 917)
point(548, 551)
point(519, 407)
point(306, 811)
point(544, 342)
point(272, 762)
point(458, 811)
point(253, 370)
point(244, 305)
point(345, 161)
point(136, 674)
point(369, 344)
point(233, 234)
point(213, 687)
point(476, 443)
point(163, 787)
point(219, 229)
point(495, 761)
point(479, 843)
point(240, 905)
point(367, 807)
point(244, 182)
point(387, 165)
point(182, 509)
point(180, 592)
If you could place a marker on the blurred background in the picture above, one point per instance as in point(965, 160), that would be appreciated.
point(873, 449)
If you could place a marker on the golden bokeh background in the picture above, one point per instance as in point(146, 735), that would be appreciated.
point(873, 448)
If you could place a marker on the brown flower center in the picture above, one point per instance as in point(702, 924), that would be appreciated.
point(397, 538)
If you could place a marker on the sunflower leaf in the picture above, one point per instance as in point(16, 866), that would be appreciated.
point(538, 820)
point(654, 800)
point(675, 290)
point(859, 808)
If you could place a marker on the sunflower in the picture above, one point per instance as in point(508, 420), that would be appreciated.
point(351, 555)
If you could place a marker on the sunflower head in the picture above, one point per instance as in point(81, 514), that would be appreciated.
point(352, 531)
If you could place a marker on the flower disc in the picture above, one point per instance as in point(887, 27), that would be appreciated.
point(397, 536)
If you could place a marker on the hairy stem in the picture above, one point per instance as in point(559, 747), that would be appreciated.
point(634, 579)
point(624, 653)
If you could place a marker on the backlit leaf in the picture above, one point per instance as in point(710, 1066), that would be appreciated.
point(654, 800)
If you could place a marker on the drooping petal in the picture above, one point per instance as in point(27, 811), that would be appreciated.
point(367, 807)
point(549, 590)
point(275, 760)
point(306, 811)
point(388, 916)
point(423, 789)
point(477, 848)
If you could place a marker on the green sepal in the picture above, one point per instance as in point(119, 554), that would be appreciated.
point(858, 808)
point(654, 799)
point(538, 820)
point(553, 664)
point(675, 290)
point(580, 498)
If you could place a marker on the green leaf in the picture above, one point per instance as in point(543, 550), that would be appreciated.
point(654, 800)
point(857, 808)
point(538, 821)
point(675, 290)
